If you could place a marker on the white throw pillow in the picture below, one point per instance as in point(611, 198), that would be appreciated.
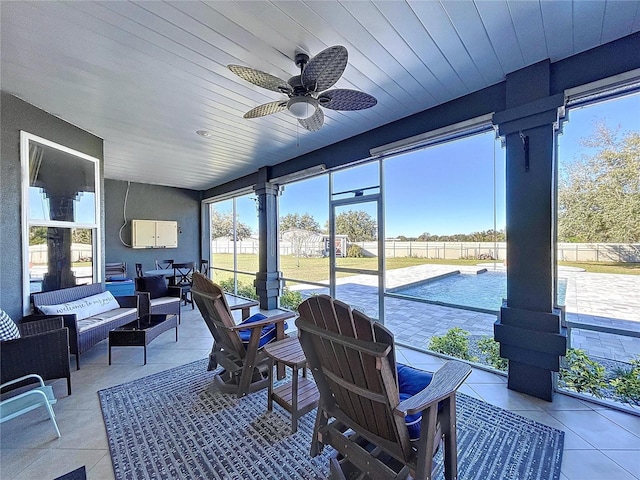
point(85, 307)
point(8, 329)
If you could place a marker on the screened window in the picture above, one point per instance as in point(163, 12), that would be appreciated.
point(235, 244)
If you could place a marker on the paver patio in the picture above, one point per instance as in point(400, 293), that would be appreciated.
point(591, 298)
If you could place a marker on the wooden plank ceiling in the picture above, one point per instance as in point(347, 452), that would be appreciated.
point(145, 76)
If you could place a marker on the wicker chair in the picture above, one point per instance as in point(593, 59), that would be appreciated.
point(43, 349)
point(157, 298)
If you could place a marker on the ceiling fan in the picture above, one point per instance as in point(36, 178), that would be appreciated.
point(308, 91)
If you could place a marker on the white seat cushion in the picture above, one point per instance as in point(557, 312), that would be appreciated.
point(92, 322)
point(164, 300)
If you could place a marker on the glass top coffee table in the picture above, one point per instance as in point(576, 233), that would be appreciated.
point(141, 332)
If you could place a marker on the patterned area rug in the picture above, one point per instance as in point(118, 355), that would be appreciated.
point(168, 426)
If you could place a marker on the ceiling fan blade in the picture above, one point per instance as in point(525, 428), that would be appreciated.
point(324, 70)
point(266, 109)
point(344, 99)
point(261, 79)
point(314, 122)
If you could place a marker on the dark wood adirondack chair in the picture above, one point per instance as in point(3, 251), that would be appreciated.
point(364, 413)
point(237, 348)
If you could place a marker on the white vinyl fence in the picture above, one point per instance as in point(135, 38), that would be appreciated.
point(440, 250)
point(568, 252)
point(39, 254)
point(599, 252)
point(225, 245)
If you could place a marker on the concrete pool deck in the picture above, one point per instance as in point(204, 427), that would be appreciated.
point(591, 298)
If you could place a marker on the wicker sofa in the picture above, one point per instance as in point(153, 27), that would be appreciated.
point(85, 333)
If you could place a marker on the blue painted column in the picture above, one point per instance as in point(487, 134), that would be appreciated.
point(529, 326)
point(268, 277)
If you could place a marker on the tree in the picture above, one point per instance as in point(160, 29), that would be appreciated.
point(483, 236)
point(599, 193)
point(357, 225)
point(81, 235)
point(300, 240)
point(37, 235)
point(296, 221)
point(222, 226)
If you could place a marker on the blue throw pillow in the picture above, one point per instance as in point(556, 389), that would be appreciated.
point(411, 381)
point(267, 334)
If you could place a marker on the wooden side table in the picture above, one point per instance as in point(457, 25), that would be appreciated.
point(299, 396)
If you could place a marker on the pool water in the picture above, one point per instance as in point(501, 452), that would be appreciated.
point(483, 291)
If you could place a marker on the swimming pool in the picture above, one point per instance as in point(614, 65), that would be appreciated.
point(482, 291)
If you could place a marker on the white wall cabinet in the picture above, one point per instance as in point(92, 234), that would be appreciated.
point(154, 234)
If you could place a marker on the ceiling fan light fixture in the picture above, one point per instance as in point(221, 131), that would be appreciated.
point(302, 107)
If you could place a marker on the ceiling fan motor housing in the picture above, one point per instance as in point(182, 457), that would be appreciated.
point(296, 84)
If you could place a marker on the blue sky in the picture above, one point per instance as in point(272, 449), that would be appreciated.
point(444, 189)
point(623, 113)
point(447, 188)
point(84, 206)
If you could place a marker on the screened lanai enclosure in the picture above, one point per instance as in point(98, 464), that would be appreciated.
point(388, 218)
point(419, 235)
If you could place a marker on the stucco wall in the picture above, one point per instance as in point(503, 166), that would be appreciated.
point(18, 115)
point(150, 202)
point(145, 201)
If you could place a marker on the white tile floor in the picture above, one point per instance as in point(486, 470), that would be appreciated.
point(599, 443)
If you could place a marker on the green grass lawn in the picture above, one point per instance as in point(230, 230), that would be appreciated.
point(606, 267)
point(317, 269)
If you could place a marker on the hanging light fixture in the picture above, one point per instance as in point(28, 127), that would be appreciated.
point(302, 107)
